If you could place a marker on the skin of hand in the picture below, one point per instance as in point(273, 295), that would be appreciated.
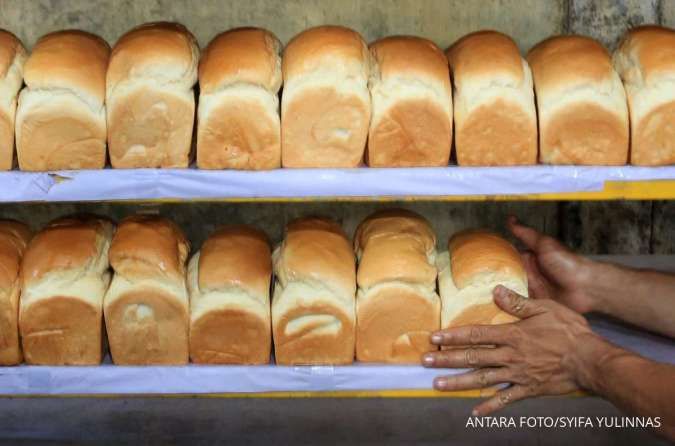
point(551, 350)
point(542, 354)
point(553, 271)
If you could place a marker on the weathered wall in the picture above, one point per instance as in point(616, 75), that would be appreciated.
point(597, 228)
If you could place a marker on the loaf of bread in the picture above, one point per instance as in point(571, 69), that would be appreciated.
point(12, 59)
point(14, 237)
point(64, 276)
point(229, 285)
point(325, 106)
point(397, 307)
point(581, 102)
point(313, 314)
point(476, 262)
point(239, 79)
point(645, 61)
point(60, 120)
point(495, 115)
point(411, 123)
point(146, 307)
point(150, 97)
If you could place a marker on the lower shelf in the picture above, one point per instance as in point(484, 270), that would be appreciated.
point(269, 381)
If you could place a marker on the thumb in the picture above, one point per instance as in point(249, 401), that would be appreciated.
point(515, 304)
point(539, 287)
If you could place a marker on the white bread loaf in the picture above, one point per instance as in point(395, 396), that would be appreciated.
point(239, 79)
point(411, 123)
point(397, 307)
point(146, 307)
point(12, 59)
point(64, 276)
point(645, 60)
point(495, 115)
point(14, 237)
point(325, 105)
point(476, 262)
point(229, 285)
point(60, 120)
point(150, 97)
point(313, 314)
point(581, 102)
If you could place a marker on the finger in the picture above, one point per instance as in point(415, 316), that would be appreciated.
point(471, 357)
point(470, 335)
point(500, 400)
point(538, 285)
point(476, 379)
point(525, 234)
point(515, 304)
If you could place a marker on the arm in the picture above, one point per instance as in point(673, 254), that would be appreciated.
point(551, 351)
point(641, 297)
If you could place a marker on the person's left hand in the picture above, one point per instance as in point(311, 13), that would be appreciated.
point(542, 354)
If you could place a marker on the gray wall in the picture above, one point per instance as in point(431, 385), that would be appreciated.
point(591, 227)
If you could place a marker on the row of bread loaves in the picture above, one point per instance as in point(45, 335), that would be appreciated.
point(81, 278)
point(343, 103)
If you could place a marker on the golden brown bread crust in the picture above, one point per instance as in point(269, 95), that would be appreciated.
point(474, 252)
point(394, 326)
point(248, 338)
point(318, 249)
point(248, 55)
point(149, 44)
point(62, 331)
point(237, 256)
point(70, 59)
point(304, 347)
point(654, 47)
point(6, 141)
point(65, 243)
point(14, 237)
point(565, 60)
point(410, 57)
point(483, 54)
point(10, 47)
point(395, 245)
point(149, 247)
point(653, 141)
point(307, 51)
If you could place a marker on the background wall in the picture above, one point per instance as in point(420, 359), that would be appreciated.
point(591, 227)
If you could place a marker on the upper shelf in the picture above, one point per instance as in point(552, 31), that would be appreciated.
point(448, 183)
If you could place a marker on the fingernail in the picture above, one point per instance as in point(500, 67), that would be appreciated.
point(474, 413)
point(428, 360)
point(440, 383)
point(436, 338)
point(499, 291)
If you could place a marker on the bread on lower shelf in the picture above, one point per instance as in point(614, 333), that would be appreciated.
point(14, 237)
point(229, 285)
point(146, 307)
point(397, 307)
point(313, 307)
point(476, 262)
point(64, 276)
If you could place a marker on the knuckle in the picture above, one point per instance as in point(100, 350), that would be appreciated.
point(476, 334)
point(471, 356)
point(484, 377)
point(504, 398)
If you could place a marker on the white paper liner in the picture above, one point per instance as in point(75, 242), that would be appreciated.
point(149, 184)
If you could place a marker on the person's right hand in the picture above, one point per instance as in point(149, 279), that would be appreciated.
point(553, 271)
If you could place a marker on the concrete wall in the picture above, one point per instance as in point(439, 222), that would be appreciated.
point(594, 228)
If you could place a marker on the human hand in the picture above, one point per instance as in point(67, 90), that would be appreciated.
point(550, 351)
point(553, 271)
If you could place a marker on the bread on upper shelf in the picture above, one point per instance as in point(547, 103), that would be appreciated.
point(645, 59)
point(495, 115)
point(239, 79)
point(325, 105)
point(581, 102)
point(150, 97)
point(60, 119)
point(12, 58)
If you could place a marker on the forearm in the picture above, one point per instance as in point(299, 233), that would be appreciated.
point(641, 297)
point(634, 384)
